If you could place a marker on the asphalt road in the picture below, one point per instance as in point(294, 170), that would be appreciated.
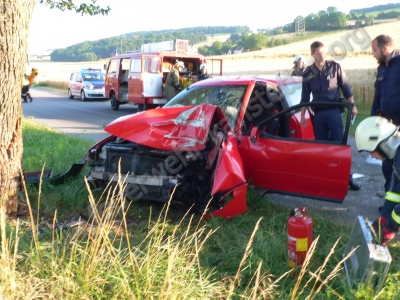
point(87, 120)
point(84, 119)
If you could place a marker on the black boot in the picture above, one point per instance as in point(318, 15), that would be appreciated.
point(354, 186)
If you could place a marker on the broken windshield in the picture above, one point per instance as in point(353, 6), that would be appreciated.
point(227, 98)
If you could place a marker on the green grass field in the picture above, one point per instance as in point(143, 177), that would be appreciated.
point(148, 251)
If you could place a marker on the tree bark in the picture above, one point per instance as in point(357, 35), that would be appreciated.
point(15, 17)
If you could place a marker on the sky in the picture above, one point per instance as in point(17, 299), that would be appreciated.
point(51, 28)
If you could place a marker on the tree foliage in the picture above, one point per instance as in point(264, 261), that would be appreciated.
point(83, 8)
point(133, 41)
point(254, 42)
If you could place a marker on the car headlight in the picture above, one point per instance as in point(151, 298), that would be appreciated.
point(89, 86)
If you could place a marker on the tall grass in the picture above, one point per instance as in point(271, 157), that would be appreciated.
point(168, 256)
point(55, 84)
point(148, 251)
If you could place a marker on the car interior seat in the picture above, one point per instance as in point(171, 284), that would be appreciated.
point(124, 76)
point(259, 109)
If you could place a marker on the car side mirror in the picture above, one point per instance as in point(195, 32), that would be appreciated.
point(254, 135)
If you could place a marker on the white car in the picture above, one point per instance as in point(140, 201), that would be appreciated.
point(86, 84)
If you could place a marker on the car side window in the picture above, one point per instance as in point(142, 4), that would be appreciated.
point(113, 66)
point(152, 64)
point(264, 103)
point(135, 65)
point(78, 77)
point(73, 76)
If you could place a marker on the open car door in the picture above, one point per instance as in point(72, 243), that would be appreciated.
point(292, 162)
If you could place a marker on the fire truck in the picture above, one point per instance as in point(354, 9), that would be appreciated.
point(138, 76)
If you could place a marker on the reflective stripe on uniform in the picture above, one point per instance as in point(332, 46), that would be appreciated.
point(394, 197)
point(395, 217)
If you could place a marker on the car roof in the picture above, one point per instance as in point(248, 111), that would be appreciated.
point(247, 79)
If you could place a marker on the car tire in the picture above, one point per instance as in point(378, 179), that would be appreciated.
point(70, 96)
point(83, 96)
point(141, 107)
point(114, 103)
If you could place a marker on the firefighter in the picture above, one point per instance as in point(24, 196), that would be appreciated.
point(33, 75)
point(25, 87)
point(381, 139)
point(203, 73)
point(172, 81)
point(299, 67)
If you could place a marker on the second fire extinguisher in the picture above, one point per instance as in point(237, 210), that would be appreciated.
point(300, 236)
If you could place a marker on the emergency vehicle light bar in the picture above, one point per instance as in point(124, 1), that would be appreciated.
point(91, 70)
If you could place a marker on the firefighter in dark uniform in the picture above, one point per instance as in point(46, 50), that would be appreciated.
point(325, 79)
point(381, 139)
point(203, 73)
point(299, 67)
point(387, 89)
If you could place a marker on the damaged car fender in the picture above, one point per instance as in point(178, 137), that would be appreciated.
point(229, 180)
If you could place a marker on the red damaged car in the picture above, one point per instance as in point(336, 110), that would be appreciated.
point(213, 139)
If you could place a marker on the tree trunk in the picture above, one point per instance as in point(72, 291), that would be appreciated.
point(15, 17)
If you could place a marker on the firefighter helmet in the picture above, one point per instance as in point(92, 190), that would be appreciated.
point(179, 64)
point(35, 71)
point(372, 131)
point(203, 66)
point(298, 58)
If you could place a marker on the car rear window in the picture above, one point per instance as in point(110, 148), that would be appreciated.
point(93, 76)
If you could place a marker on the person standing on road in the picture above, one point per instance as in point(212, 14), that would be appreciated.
point(299, 66)
point(387, 89)
point(325, 79)
point(172, 81)
point(381, 139)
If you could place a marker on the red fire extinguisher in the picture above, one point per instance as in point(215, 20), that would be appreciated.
point(300, 236)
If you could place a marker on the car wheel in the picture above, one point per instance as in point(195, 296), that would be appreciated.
point(140, 107)
point(114, 103)
point(70, 96)
point(83, 96)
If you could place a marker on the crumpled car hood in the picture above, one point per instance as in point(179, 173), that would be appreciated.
point(183, 128)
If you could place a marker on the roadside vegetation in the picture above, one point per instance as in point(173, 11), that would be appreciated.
point(69, 242)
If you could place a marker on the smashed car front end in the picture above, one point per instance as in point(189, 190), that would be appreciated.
point(187, 155)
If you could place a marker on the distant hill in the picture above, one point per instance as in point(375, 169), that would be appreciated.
point(95, 50)
point(376, 8)
point(325, 21)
